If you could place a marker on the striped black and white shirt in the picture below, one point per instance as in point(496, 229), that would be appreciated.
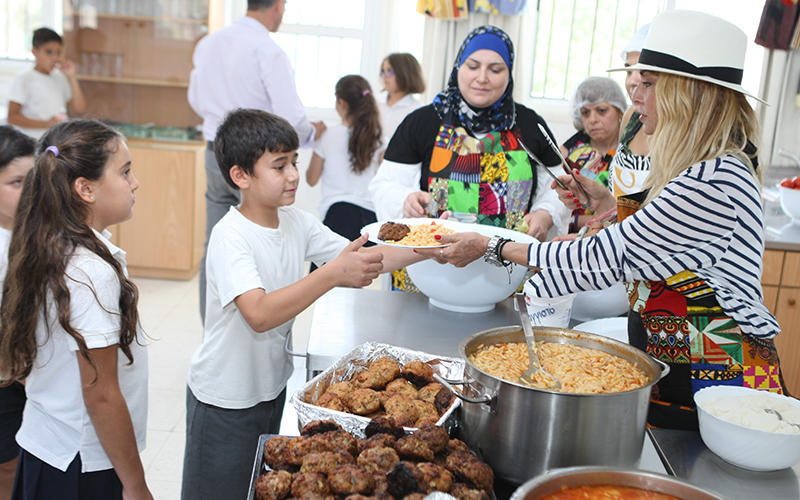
point(708, 220)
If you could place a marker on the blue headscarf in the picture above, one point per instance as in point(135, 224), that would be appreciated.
point(451, 106)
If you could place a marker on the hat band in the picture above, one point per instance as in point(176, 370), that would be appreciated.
point(666, 61)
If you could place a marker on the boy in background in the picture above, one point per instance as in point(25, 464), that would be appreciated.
point(255, 263)
point(16, 159)
point(39, 97)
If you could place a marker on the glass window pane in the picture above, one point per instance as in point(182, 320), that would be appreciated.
point(338, 14)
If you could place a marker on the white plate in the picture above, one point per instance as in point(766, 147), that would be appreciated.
point(613, 328)
point(374, 228)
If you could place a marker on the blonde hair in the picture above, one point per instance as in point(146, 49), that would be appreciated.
point(697, 121)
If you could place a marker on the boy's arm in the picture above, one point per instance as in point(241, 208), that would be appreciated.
point(265, 311)
point(16, 118)
point(78, 101)
point(314, 171)
point(395, 258)
point(112, 420)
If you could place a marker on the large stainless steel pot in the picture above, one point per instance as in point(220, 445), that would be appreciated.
point(591, 476)
point(521, 431)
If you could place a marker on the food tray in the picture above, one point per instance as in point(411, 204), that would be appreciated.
point(354, 363)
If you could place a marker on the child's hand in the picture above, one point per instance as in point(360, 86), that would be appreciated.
point(68, 68)
point(356, 268)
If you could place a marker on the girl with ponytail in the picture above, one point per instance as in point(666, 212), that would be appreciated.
point(69, 327)
point(346, 159)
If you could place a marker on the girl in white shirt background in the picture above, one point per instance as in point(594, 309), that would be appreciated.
point(69, 326)
point(401, 76)
point(346, 159)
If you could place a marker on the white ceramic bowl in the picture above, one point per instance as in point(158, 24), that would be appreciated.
point(790, 202)
point(742, 446)
point(596, 304)
point(474, 288)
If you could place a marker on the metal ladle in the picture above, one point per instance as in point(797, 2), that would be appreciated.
point(780, 417)
point(535, 367)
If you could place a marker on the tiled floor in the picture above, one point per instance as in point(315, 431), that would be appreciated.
point(170, 316)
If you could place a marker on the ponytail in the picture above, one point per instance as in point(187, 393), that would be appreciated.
point(362, 113)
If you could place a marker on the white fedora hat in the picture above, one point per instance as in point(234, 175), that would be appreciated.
point(695, 45)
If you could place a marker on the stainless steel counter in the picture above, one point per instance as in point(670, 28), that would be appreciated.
point(685, 455)
point(346, 317)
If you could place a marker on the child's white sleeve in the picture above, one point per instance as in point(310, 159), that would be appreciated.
point(17, 91)
point(94, 289)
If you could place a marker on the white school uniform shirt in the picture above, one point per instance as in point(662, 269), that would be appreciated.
point(241, 66)
point(55, 423)
point(40, 96)
point(338, 181)
point(236, 367)
point(393, 116)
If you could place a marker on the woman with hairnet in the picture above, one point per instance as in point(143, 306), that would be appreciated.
point(596, 107)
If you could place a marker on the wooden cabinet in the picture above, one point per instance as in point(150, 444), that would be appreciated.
point(781, 284)
point(134, 58)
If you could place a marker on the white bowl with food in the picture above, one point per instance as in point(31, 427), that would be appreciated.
point(476, 287)
point(790, 202)
point(734, 425)
point(596, 304)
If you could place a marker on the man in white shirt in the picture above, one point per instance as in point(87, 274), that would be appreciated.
point(240, 66)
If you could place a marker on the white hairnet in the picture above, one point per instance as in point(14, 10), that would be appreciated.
point(594, 90)
point(636, 43)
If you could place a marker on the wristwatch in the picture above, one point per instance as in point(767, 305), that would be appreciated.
point(491, 252)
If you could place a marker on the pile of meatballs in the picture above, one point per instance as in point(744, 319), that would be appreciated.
point(328, 463)
point(409, 395)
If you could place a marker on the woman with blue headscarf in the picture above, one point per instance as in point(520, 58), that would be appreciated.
point(462, 154)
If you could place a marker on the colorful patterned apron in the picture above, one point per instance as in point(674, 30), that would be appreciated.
point(485, 181)
point(678, 321)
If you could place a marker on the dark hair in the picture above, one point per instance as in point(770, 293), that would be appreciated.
point(244, 137)
point(364, 118)
point(14, 144)
point(44, 35)
point(407, 72)
point(50, 225)
point(260, 4)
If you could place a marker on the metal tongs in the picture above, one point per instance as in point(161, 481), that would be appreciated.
point(566, 166)
point(539, 162)
point(529, 378)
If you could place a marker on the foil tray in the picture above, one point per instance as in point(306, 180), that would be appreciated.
point(356, 361)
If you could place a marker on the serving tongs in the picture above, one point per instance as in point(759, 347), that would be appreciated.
point(539, 163)
point(535, 375)
point(566, 166)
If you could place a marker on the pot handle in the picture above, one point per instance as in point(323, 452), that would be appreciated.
point(485, 399)
point(665, 369)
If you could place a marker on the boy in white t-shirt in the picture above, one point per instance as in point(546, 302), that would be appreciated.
point(256, 288)
point(39, 97)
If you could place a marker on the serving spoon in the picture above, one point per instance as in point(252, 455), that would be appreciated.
point(529, 377)
point(780, 417)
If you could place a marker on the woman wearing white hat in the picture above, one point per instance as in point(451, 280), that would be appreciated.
point(692, 253)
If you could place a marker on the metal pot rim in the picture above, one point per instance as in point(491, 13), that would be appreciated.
point(644, 357)
point(630, 477)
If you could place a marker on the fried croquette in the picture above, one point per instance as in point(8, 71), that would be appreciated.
point(351, 479)
point(457, 445)
point(339, 441)
point(363, 401)
point(384, 425)
point(376, 441)
point(331, 401)
point(319, 427)
point(274, 485)
point(325, 462)
point(418, 373)
point(393, 231)
point(378, 459)
point(415, 496)
point(369, 379)
point(401, 405)
point(309, 483)
point(389, 368)
point(341, 389)
point(463, 492)
point(403, 387)
point(274, 451)
point(428, 393)
point(405, 479)
point(436, 437)
point(443, 400)
point(381, 484)
point(466, 466)
point(413, 448)
point(436, 477)
point(299, 447)
point(425, 412)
